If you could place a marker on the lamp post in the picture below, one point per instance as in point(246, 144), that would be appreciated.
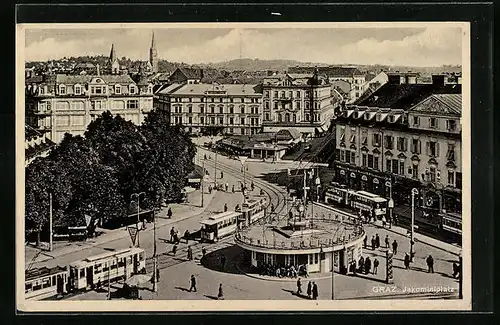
point(317, 181)
point(138, 195)
point(390, 204)
point(202, 180)
point(215, 165)
point(414, 192)
point(333, 272)
point(155, 258)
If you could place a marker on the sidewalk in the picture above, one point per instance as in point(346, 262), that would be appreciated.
point(180, 212)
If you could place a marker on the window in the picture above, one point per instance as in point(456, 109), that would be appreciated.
point(220, 100)
point(276, 94)
point(62, 120)
point(451, 125)
point(297, 105)
point(370, 161)
point(118, 89)
point(353, 157)
point(342, 133)
point(77, 120)
point(242, 120)
point(231, 120)
point(433, 122)
point(353, 135)
point(342, 155)
point(401, 167)
point(242, 109)
point(307, 117)
point(432, 173)
point(395, 166)
point(62, 90)
point(458, 180)
point(414, 172)
point(212, 100)
point(266, 105)
point(389, 142)
point(375, 163)
point(364, 138)
point(402, 144)
point(190, 100)
point(190, 119)
point(416, 121)
point(433, 149)
point(298, 94)
point(365, 160)
point(78, 90)
point(377, 139)
point(256, 110)
point(212, 120)
point(307, 105)
point(82, 273)
point(190, 109)
point(202, 120)
point(267, 93)
point(388, 165)
point(221, 120)
point(416, 146)
point(450, 155)
point(282, 94)
point(212, 109)
point(132, 90)
point(132, 104)
point(451, 177)
point(267, 117)
point(202, 100)
point(231, 109)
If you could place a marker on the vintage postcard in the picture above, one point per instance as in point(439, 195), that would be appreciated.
point(255, 166)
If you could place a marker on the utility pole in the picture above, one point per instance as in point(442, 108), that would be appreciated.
point(138, 195)
point(333, 275)
point(202, 181)
point(414, 192)
point(50, 222)
point(155, 259)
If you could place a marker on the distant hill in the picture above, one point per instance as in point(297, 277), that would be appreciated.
point(256, 64)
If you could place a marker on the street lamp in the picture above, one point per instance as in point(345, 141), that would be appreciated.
point(202, 180)
point(215, 165)
point(317, 181)
point(390, 204)
point(138, 195)
point(414, 192)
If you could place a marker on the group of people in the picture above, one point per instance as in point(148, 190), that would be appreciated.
point(192, 287)
point(289, 271)
point(312, 289)
point(375, 243)
point(364, 266)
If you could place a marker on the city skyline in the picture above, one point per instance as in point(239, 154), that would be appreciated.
point(420, 47)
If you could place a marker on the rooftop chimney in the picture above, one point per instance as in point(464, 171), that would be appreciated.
point(98, 70)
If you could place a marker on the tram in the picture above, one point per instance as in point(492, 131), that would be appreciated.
point(219, 226)
point(251, 211)
point(42, 283)
point(93, 271)
point(451, 223)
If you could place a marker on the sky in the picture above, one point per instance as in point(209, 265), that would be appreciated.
point(422, 47)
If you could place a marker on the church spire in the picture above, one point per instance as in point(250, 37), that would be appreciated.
point(153, 44)
point(112, 55)
point(153, 54)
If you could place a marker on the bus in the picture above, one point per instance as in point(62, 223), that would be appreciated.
point(219, 226)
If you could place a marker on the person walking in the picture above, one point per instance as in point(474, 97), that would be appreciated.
point(377, 241)
point(210, 189)
point(315, 291)
point(395, 247)
point(203, 251)
point(299, 287)
point(220, 295)
point(221, 175)
point(233, 188)
point(174, 249)
point(365, 241)
point(309, 289)
point(190, 253)
point(374, 243)
point(430, 264)
point(172, 234)
point(386, 241)
point(169, 213)
point(193, 284)
point(368, 265)
point(225, 207)
point(407, 261)
point(187, 234)
point(252, 186)
point(227, 187)
point(375, 266)
point(361, 264)
point(456, 270)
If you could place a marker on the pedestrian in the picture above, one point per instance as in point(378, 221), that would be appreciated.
point(384, 222)
point(172, 234)
point(203, 251)
point(315, 291)
point(272, 207)
point(174, 249)
point(377, 241)
point(252, 186)
point(368, 265)
point(221, 175)
point(193, 284)
point(233, 188)
point(456, 270)
point(309, 289)
point(364, 241)
point(395, 247)
point(220, 295)
point(223, 261)
point(210, 189)
point(205, 156)
point(299, 287)
point(361, 264)
point(373, 243)
point(386, 241)
point(430, 264)
point(261, 192)
point(190, 253)
point(407, 261)
point(186, 236)
point(375, 266)
point(225, 207)
point(169, 213)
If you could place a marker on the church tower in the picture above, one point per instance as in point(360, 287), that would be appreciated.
point(153, 55)
point(113, 61)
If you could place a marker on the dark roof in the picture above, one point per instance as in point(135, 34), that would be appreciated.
point(85, 65)
point(441, 104)
point(82, 79)
point(197, 172)
point(288, 133)
point(43, 271)
point(34, 79)
point(404, 96)
point(30, 133)
point(192, 73)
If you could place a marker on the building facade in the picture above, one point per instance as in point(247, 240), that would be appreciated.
point(213, 108)
point(412, 142)
point(68, 103)
point(304, 102)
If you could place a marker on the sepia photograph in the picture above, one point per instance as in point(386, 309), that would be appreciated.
point(243, 166)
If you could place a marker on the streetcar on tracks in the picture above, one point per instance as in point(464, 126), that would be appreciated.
point(251, 211)
point(451, 223)
point(42, 283)
point(219, 226)
point(370, 205)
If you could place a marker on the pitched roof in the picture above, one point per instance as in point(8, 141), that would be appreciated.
point(286, 133)
point(230, 89)
point(168, 89)
point(404, 96)
point(85, 65)
point(82, 79)
point(192, 73)
point(442, 104)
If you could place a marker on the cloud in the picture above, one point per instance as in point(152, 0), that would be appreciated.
point(416, 47)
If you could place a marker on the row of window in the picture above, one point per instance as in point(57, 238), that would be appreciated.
point(96, 104)
point(451, 125)
point(395, 166)
point(213, 121)
point(212, 110)
point(215, 100)
point(96, 90)
point(291, 105)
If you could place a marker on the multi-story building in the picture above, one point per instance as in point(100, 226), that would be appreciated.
point(305, 102)
point(352, 75)
point(400, 137)
point(213, 108)
point(68, 103)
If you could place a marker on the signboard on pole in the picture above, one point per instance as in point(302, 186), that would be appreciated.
point(243, 159)
point(133, 233)
point(389, 278)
